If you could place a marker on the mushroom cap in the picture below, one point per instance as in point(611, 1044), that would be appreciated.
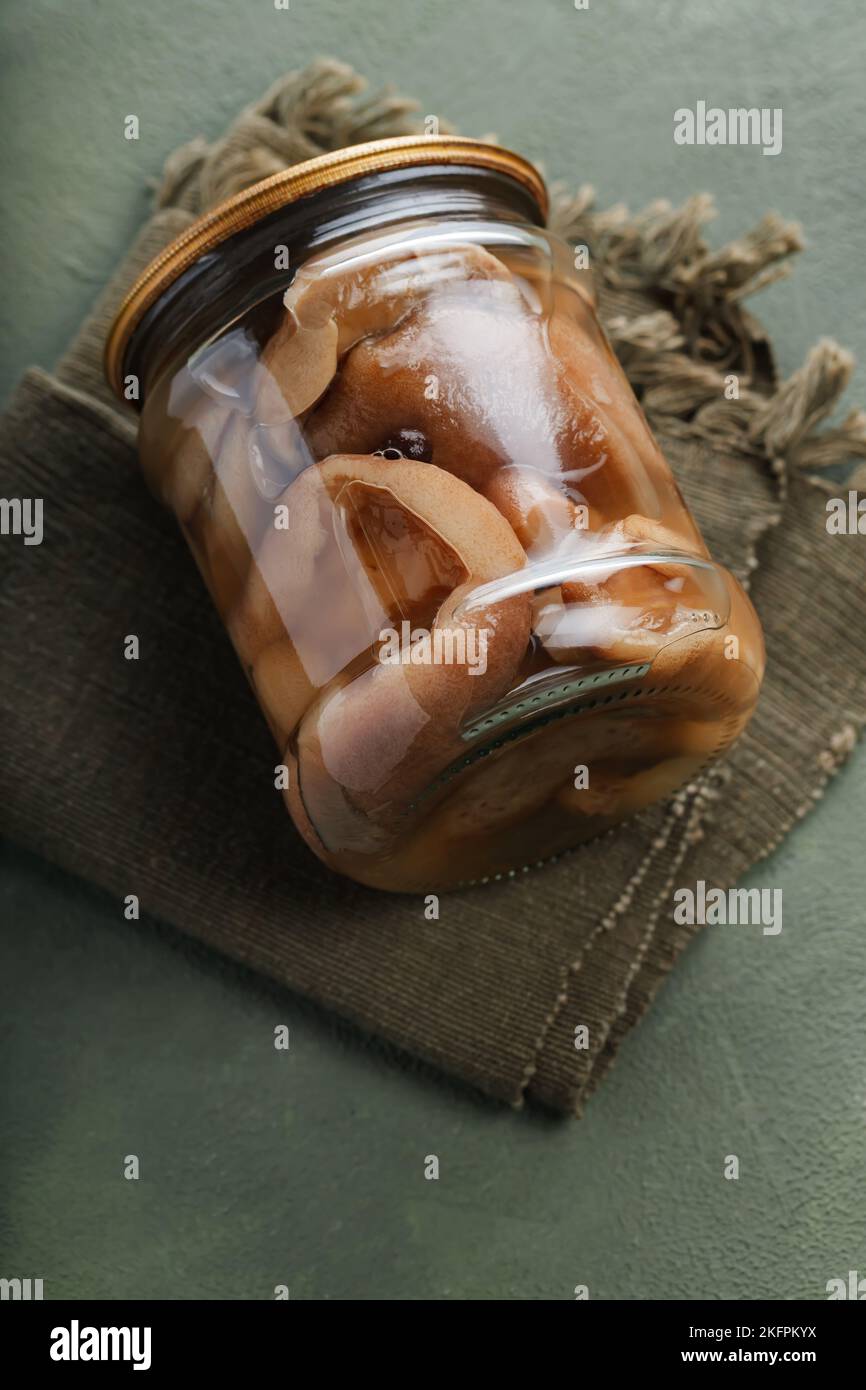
point(338, 298)
point(375, 739)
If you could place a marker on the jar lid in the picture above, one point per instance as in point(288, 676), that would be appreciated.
point(326, 170)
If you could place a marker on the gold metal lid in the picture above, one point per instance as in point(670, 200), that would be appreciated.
point(257, 201)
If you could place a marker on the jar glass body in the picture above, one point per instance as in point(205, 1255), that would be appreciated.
point(455, 566)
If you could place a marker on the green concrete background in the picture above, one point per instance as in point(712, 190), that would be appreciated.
point(261, 1168)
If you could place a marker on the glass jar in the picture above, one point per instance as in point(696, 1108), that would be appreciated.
point(454, 564)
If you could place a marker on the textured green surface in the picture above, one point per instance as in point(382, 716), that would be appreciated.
point(306, 1168)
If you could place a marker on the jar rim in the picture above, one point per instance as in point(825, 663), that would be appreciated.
point(245, 208)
